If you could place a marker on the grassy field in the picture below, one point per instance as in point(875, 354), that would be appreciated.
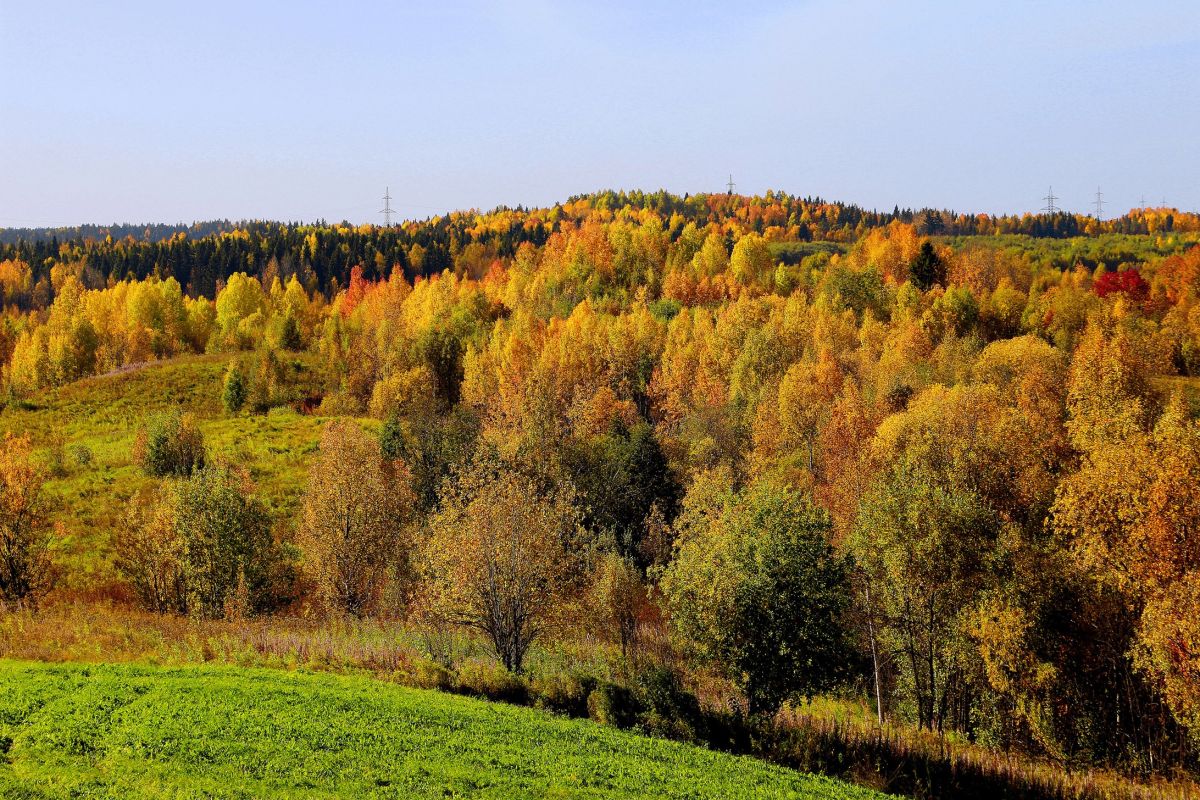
point(830, 736)
point(102, 414)
point(131, 732)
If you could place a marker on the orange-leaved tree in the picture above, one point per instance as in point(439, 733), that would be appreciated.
point(24, 559)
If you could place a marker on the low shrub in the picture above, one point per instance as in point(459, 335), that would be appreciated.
point(82, 454)
point(613, 705)
point(57, 456)
point(565, 693)
point(169, 444)
point(429, 675)
point(233, 392)
point(670, 709)
point(489, 680)
point(339, 404)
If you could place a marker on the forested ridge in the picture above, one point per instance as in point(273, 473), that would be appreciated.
point(202, 254)
point(946, 464)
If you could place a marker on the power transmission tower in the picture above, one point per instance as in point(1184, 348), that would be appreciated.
point(731, 184)
point(387, 210)
point(1142, 202)
point(1099, 204)
point(1050, 208)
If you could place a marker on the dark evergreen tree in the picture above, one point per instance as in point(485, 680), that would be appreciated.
point(233, 395)
point(927, 269)
point(621, 476)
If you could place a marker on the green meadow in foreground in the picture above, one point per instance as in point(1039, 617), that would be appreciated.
point(142, 732)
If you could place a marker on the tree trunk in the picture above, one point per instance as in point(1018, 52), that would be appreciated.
point(874, 655)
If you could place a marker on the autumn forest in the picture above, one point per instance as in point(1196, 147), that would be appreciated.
point(772, 474)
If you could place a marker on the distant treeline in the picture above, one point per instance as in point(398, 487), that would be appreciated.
point(203, 255)
point(145, 232)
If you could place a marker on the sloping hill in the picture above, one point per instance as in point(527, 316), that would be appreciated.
point(101, 415)
point(224, 732)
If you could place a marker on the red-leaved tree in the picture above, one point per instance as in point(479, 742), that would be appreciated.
point(1129, 281)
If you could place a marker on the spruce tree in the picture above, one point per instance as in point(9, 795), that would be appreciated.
point(927, 269)
point(234, 393)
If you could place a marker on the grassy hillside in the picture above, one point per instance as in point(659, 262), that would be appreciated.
point(102, 414)
point(130, 732)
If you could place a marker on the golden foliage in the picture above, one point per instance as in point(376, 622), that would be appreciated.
point(24, 559)
point(500, 557)
point(356, 533)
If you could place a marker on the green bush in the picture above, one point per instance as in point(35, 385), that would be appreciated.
point(233, 394)
point(613, 705)
point(287, 333)
point(762, 595)
point(82, 454)
point(169, 445)
point(565, 693)
point(491, 681)
point(270, 384)
point(57, 456)
point(227, 543)
point(430, 675)
point(669, 709)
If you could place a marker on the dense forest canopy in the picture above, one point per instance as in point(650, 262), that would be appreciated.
point(200, 255)
point(959, 429)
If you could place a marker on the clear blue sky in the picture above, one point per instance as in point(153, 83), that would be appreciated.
point(168, 111)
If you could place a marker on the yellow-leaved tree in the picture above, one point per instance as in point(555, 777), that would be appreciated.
point(24, 559)
point(1131, 514)
point(357, 528)
point(501, 556)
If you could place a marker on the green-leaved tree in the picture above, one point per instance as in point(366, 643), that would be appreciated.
point(756, 589)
